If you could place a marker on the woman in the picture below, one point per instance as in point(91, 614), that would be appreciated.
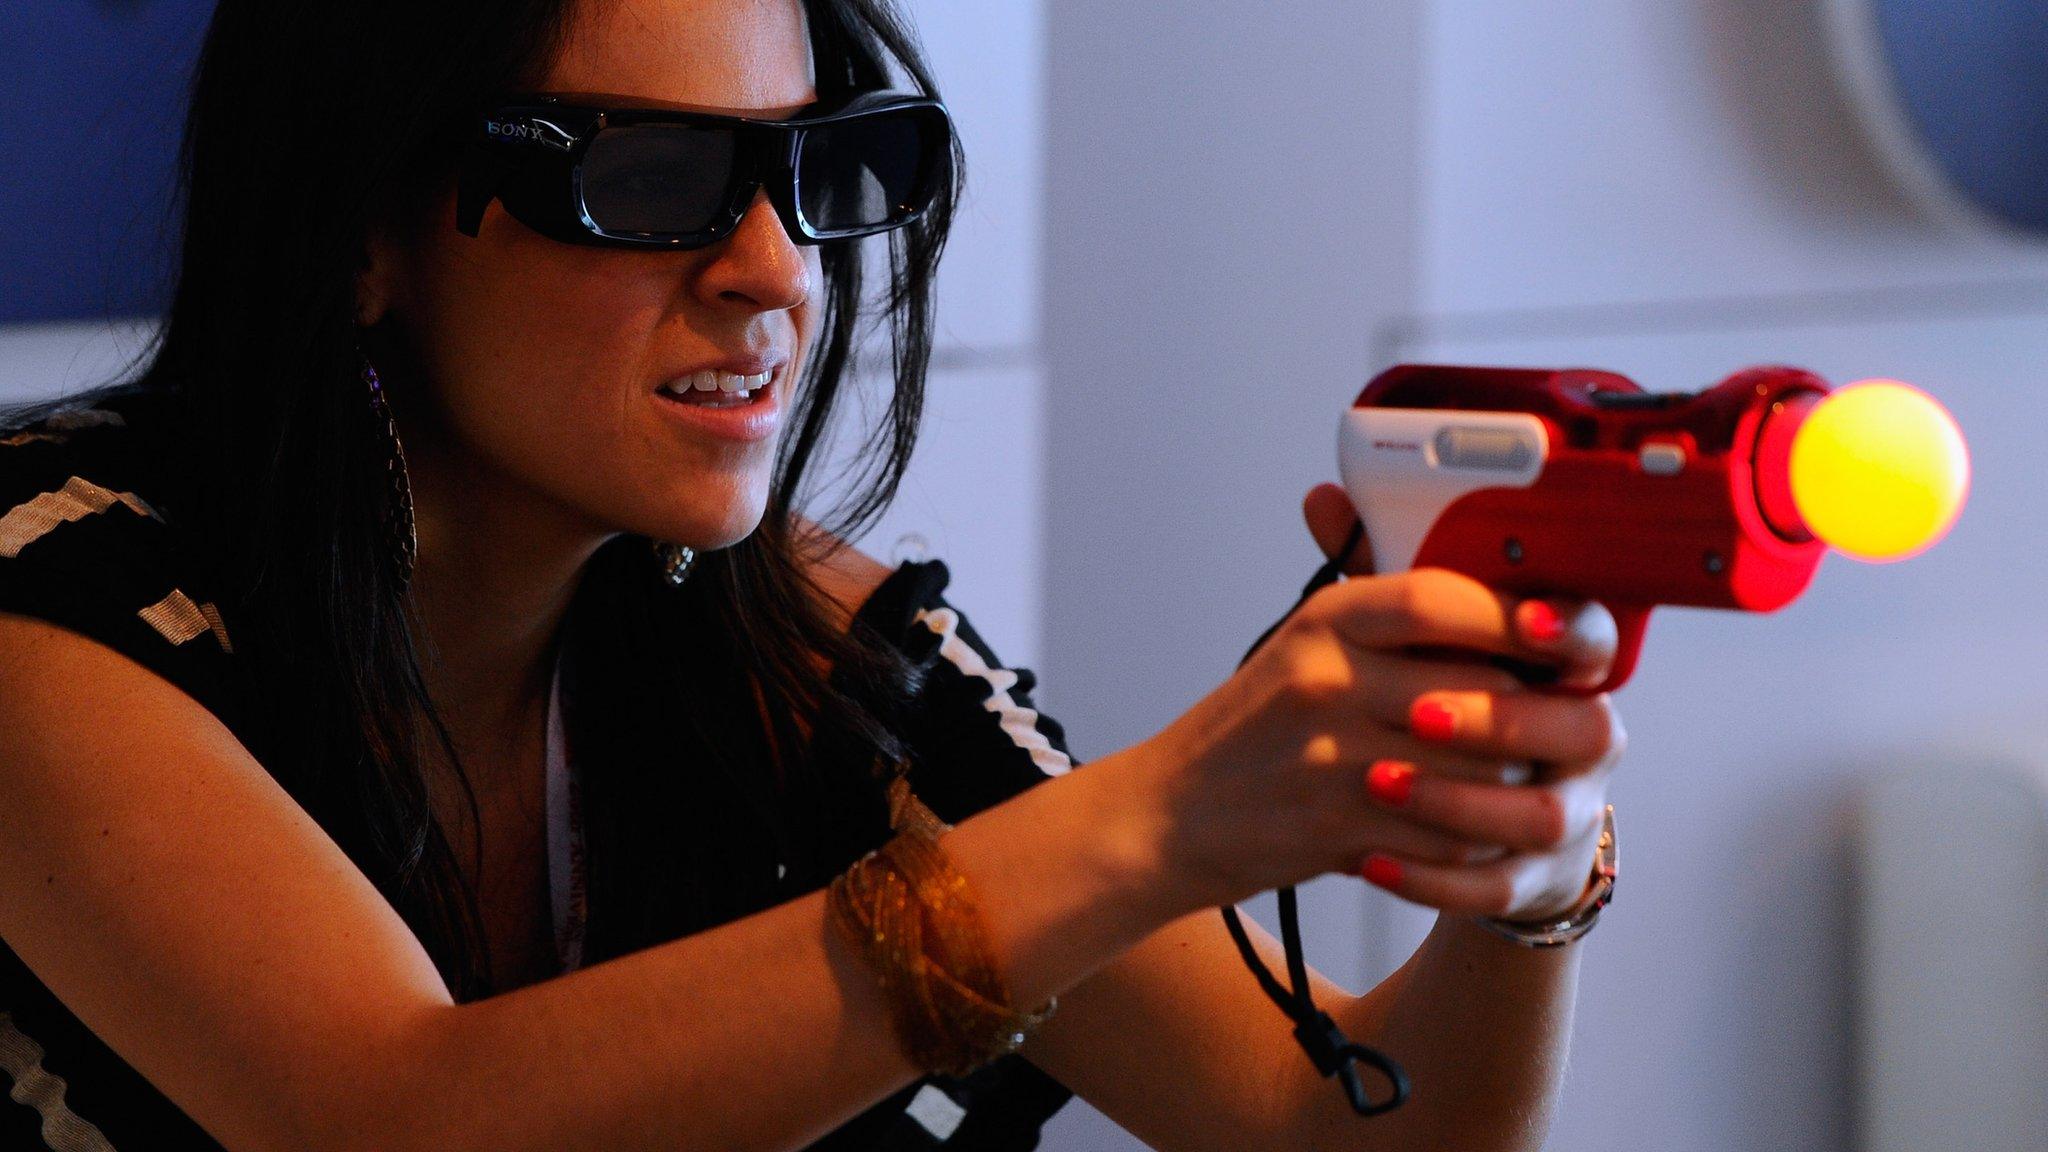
point(515, 789)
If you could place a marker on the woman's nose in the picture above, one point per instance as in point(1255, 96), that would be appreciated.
point(758, 265)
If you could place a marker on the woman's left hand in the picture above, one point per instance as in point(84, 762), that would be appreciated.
point(1505, 882)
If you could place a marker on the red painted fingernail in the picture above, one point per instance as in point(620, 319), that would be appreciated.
point(1541, 622)
point(1384, 871)
point(1390, 782)
point(1432, 721)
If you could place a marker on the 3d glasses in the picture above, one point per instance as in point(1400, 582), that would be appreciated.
point(620, 176)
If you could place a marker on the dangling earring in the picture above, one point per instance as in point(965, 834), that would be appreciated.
point(676, 561)
point(399, 530)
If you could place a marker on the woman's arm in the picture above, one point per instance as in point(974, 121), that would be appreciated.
point(1175, 1041)
point(1482, 1024)
point(175, 898)
point(163, 886)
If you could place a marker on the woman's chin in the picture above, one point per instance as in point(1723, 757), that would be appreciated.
point(707, 510)
point(708, 534)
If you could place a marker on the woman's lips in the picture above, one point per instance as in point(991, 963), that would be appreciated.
point(743, 415)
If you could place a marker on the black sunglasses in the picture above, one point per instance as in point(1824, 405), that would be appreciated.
point(635, 177)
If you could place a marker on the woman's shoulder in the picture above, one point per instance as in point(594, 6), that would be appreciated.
point(887, 601)
point(847, 575)
point(892, 603)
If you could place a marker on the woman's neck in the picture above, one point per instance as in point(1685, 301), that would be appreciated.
point(492, 585)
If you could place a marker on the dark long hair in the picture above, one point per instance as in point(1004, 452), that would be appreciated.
point(712, 740)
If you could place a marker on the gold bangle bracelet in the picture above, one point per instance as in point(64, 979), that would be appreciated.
point(911, 916)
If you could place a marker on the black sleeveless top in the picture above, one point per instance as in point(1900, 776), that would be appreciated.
point(86, 543)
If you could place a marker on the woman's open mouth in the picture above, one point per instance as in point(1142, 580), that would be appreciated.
point(726, 405)
point(712, 388)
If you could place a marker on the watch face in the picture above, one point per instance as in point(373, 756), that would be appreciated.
point(1954, 93)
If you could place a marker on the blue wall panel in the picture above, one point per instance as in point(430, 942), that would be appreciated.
point(1973, 75)
point(90, 112)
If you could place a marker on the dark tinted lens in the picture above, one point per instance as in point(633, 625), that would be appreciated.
point(866, 172)
point(658, 178)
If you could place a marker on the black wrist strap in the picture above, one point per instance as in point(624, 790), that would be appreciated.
point(1332, 1053)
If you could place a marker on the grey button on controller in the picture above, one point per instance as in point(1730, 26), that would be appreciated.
point(1662, 459)
point(1486, 449)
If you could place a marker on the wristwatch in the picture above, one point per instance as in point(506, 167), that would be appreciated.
point(1580, 918)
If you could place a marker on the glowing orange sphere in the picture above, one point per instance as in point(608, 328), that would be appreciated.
point(1879, 470)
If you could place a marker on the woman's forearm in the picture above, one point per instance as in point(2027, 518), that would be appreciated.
point(1481, 1024)
point(768, 1032)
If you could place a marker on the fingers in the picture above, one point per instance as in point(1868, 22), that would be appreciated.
point(1527, 818)
point(1389, 689)
point(1579, 637)
point(1357, 809)
point(1497, 889)
point(1566, 733)
point(1436, 608)
point(1546, 835)
point(1511, 887)
point(1439, 762)
point(1411, 841)
point(1329, 513)
point(1437, 806)
point(1483, 715)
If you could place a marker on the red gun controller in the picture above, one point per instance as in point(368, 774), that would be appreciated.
point(1579, 484)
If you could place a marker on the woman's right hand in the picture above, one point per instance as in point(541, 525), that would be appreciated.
point(1265, 781)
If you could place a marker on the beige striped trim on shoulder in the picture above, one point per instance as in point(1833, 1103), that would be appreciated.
point(35, 1086)
point(31, 436)
point(26, 523)
point(55, 428)
point(176, 616)
point(179, 619)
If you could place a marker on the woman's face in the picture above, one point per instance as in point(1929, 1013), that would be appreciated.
point(545, 362)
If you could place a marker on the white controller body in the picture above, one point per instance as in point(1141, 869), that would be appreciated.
point(1404, 466)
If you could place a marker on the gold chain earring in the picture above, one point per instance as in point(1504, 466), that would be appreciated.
point(399, 530)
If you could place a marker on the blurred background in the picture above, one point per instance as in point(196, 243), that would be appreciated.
point(1196, 227)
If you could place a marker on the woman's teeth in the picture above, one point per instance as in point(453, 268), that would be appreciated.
point(714, 387)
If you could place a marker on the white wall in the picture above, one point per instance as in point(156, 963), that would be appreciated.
point(1674, 191)
point(1243, 226)
point(989, 60)
point(975, 490)
point(1228, 221)
point(1615, 152)
point(39, 361)
point(1724, 971)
